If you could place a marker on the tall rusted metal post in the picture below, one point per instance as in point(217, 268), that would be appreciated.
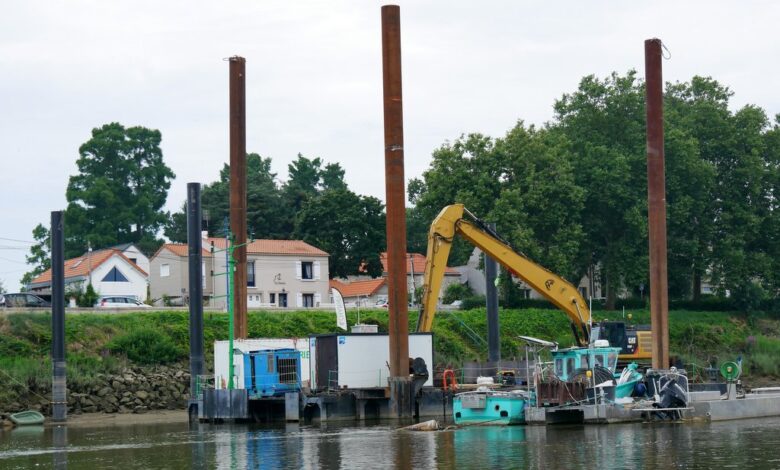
point(656, 203)
point(238, 189)
point(400, 384)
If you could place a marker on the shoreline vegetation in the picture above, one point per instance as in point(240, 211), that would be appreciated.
point(104, 346)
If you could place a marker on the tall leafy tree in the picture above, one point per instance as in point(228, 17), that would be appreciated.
point(523, 182)
point(266, 215)
point(461, 171)
point(40, 254)
point(120, 190)
point(698, 130)
point(604, 121)
point(770, 230)
point(351, 228)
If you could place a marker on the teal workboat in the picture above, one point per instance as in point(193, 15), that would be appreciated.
point(601, 361)
point(27, 418)
point(486, 406)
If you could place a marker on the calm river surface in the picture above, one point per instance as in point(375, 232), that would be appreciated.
point(739, 444)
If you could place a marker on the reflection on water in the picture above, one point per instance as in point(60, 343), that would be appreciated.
point(747, 444)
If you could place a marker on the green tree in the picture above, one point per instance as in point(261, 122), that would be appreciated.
point(697, 118)
point(351, 228)
point(119, 192)
point(176, 228)
point(303, 182)
point(40, 255)
point(604, 122)
point(523, 182)
point(266, 215)
point(770, 230)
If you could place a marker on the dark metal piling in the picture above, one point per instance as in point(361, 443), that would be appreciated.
point(195, 261)
point(656, 204)
point(400, 384)
point(238, 189)
point(491, 301)
point(59, 389)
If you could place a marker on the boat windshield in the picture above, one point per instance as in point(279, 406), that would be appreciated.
point(613, 361)
point(570, 366)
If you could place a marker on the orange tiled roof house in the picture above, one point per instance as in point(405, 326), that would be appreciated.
point(111, 271)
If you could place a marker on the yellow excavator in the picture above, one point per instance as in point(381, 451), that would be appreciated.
point(635, 342)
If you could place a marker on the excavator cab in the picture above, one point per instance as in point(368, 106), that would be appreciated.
point(630, 339)
point(615, 332)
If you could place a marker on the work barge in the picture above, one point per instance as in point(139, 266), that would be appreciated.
point(343, 377)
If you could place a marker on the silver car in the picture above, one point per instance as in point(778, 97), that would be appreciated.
point(119, 301)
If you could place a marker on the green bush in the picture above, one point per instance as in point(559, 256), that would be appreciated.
point(146, 346)
point(88, 298)
point(475, 301)
point(709, 303)
point(456, 291)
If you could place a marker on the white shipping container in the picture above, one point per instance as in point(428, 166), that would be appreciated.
point(360, 360)
point(221, 366)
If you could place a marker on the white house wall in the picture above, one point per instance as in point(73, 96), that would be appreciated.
point(136, 285)
point(140, 259)
point(279, 274)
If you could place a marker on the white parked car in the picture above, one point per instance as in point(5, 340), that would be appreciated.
point(120, 301)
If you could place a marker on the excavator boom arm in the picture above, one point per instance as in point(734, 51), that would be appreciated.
point(554, 288)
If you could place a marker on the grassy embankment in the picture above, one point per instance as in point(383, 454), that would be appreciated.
point(103, 343)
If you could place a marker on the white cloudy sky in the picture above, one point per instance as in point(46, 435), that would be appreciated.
point(314, 79)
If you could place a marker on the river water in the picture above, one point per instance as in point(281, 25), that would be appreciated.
point(752, 444)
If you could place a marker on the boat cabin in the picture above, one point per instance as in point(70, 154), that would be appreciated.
point(567, 361)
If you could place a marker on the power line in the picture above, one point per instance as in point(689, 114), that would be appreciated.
point(17, 240)
point(12, 261)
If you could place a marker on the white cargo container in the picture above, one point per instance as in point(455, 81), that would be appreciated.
point(360, 360)
point(221, 365)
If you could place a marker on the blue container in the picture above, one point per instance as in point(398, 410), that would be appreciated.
point(272, 372)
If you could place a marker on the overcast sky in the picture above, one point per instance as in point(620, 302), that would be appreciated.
point(314, 79)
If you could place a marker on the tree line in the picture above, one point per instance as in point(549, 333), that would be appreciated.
point(314, 205)
point(570, 194)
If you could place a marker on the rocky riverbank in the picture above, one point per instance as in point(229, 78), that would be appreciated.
point(133, 390)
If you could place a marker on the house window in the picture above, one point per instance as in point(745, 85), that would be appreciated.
point(308, 300)
point(134, 260)
point(114, 276)
point(272, 298)
point(250, 274)
point(165, 270)
point(307, 270)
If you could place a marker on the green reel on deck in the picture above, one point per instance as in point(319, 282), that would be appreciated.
point(730, 370)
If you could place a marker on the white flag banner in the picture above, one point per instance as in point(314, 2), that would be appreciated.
point(341, 311)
